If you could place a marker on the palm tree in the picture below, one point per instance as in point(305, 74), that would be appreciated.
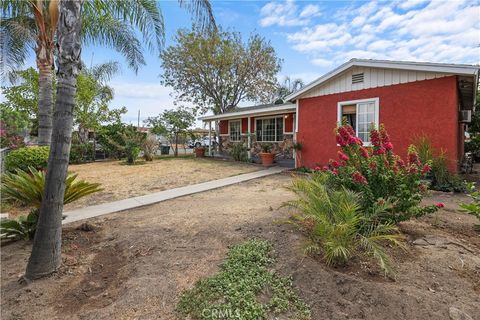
point(287, 87)
point(27, 24)
point(46, 251)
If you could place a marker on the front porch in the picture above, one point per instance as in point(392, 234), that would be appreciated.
point(248, 129)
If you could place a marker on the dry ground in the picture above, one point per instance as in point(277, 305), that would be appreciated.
point(136, 263)
point(121, 181)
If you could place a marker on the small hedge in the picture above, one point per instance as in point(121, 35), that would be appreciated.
point(35, 157)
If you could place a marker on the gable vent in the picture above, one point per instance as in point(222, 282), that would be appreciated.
point(357, 78)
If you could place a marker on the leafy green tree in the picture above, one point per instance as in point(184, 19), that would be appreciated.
point(172, 123)
point(93, 98)
point(217, 70)
point(30, 24)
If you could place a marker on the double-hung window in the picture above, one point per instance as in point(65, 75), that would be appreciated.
point(269, 129)
point(361, 115)
point(235, 130)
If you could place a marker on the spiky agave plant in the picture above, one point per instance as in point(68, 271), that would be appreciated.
point(27, 188)
point(335, 224)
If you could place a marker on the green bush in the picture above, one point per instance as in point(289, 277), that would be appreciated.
point(336, 224)
point(81, 153)
point(239, 152)
point(440, 177)
point(232, 293)
point(379, 175)
point(23, 158)
point(27, 188)
point(473, 208)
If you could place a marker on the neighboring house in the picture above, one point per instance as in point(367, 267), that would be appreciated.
point(410, 98)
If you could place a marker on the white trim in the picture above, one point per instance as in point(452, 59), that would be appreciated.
point(265, 118)
point(296, 115)
point(376, 100)
point(455, 69)
point(282, 108)
point(229, 137)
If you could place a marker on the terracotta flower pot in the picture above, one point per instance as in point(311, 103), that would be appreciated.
point(199, 152)
point(267, 158)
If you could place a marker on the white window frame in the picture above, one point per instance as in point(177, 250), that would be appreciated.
point(239, 136)
point(266, 118)
point(376, 102)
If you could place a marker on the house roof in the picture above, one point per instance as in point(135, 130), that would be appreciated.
point(456, 69)
point(258, 110)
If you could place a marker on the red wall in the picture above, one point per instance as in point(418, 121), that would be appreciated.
point(244, 125)
point(289, 123)
point(223, 126)
point(408, 110)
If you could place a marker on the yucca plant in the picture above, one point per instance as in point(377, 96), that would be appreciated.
point(336, 226)
point(26, 188)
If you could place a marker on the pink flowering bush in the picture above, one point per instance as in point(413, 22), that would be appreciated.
point(379, 175)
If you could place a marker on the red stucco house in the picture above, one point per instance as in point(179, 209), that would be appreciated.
point(410, 98)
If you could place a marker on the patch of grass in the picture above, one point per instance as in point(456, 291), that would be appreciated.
point(136, 163)
point(171, 157)
point(245, 288)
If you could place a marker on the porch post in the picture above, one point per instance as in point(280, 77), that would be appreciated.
point(210, 138)
point(249, 143)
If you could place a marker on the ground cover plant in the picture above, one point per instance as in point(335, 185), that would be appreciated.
point(473, 207)
point(27, 188)
point(245, 288)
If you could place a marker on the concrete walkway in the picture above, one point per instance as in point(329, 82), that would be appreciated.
point(130, 203)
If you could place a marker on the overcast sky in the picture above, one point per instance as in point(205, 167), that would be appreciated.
point(314, 37)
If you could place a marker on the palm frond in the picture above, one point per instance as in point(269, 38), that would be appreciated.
point(202, 11)
point(17, 38)
point(28, 187)
point(108, 31)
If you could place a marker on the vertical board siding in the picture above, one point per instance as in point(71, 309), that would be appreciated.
point(373, 78)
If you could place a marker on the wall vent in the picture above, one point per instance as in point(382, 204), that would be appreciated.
point(357, 78)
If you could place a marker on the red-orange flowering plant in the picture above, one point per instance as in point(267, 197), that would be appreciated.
point(379, 175)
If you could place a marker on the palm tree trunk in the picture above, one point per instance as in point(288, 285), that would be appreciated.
point(45, 101)
point(46, 251)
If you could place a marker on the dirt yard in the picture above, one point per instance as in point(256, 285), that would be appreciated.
point(121, 181)
point(135, 264)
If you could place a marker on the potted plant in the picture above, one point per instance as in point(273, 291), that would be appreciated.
point(266, 155)
point(199, 152)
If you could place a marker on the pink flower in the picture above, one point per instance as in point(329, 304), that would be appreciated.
point(372, 165)
point(334, 164)
point(359, 178)
point(388, 146)
point(364, 153)
point(375, 138)
point(325, 168)
point(440, 205)
point(400, 163)
point(426, 169)
point(412, 157)
point(343, 156)
point(352, 140)
point(412, 169)
point(317, 168)
point(335, 172)
point(379, 151)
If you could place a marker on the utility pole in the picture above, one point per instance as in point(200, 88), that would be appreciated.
point(138, 120)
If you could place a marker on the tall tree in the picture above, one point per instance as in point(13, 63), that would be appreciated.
point(93, 98)
point(287, 87)
point(29, 24)
point(173, 123)
point(46, 250)
point(217, 70)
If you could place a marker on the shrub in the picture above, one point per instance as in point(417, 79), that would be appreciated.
point(27, 188)
point(441, 179)
point(472, 208)
point(149, 147)
point(379, 175)
point(129, 143)
point(232, 293)
point(81, 153)
point(336, 225)
point(266, 147)
point(239, 152)
point(23, 158)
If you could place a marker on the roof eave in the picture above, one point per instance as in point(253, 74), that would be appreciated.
point(257, 112)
